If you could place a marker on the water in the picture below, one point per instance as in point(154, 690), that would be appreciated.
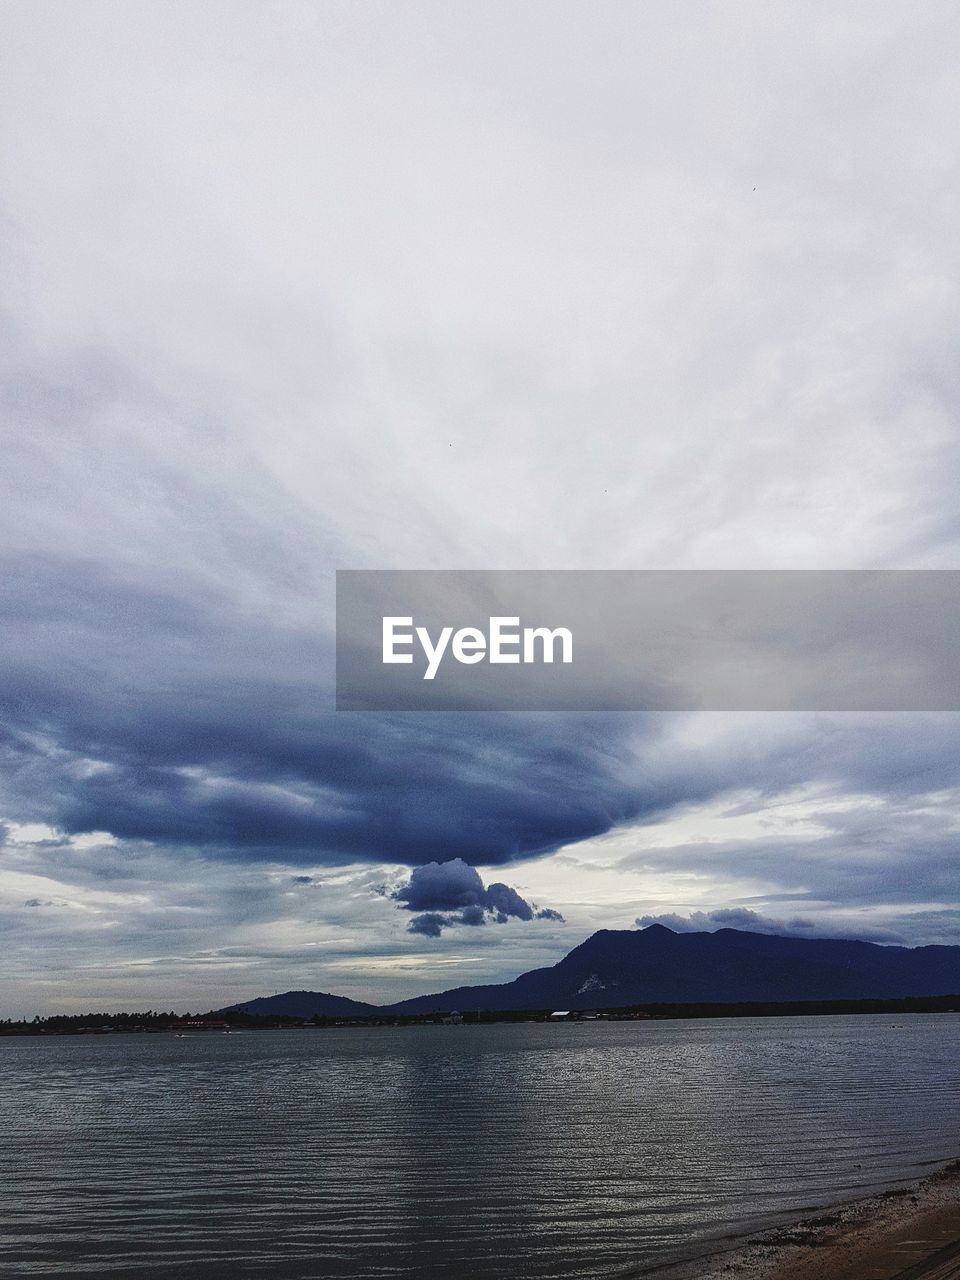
point(482, 1153)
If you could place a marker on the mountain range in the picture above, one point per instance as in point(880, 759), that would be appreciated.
point(616, 967)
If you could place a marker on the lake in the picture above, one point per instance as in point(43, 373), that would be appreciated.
point(486, 1152)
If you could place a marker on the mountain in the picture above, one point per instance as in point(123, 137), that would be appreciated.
point(657, 966)
point(305, 1004)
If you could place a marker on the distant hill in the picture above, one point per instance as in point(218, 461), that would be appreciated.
point(306, 1004)
point(657, 966)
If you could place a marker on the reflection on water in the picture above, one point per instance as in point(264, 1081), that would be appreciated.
point(478, 1152)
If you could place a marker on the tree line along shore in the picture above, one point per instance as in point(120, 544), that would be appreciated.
point(225, 1020)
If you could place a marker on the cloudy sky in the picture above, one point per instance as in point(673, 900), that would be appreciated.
point(289, 287)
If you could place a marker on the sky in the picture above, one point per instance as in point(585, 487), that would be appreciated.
point(290, 287)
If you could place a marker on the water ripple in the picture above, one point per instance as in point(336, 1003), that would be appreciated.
point(485, 1152)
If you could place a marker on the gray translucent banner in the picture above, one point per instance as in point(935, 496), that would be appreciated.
point(648, 640)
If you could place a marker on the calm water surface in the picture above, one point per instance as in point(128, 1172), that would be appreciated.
point(481, 1153)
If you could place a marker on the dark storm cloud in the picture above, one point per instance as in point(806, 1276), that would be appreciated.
point(472, 916)
point(507, 902)
point(430, 924)
point(445, 886)
point(160, 712)
point(155, 709)
point(451, 893)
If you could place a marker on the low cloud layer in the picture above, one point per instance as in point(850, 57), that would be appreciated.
point(724, 918)
point(446, 894)
point(753, 922)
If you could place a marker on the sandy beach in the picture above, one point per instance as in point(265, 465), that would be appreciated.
point(912, 1233)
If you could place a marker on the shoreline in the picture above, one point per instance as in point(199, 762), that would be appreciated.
point(236, 1019)
point(908, 1233)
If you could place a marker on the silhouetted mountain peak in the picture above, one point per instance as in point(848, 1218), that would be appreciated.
point(656, 965)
